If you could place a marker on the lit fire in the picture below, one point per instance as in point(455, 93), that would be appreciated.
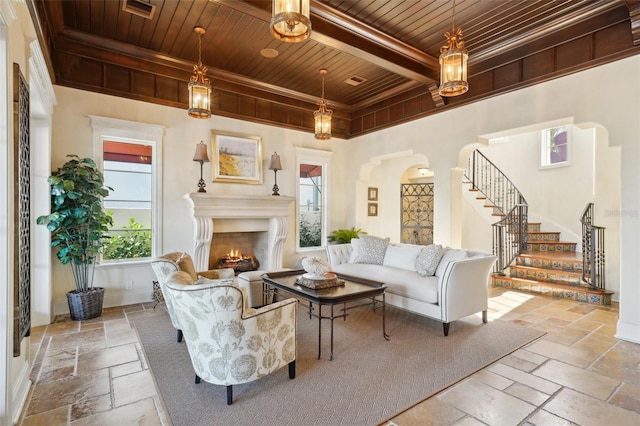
point(235, 256)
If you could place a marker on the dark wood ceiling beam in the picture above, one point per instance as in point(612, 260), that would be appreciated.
point(122, 54)
point(634, 15)
point(339, 31)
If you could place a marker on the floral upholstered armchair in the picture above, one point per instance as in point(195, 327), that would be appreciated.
point(228, 342)
point(164, 265)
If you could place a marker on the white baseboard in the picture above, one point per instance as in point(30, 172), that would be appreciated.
point(629, 332)
point(20, 393)
point(112, 297)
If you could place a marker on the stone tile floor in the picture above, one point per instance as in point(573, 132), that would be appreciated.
point(94, 373)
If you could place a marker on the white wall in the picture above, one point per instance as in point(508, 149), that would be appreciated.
point(180, 175)
point(442, 136)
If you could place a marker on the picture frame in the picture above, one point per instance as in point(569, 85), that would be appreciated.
point(372, 209)
point(237, 158)
point(372, 194)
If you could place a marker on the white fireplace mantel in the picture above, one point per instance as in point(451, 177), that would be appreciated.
point(206, 208)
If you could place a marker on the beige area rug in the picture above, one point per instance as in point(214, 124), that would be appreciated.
point(369, 380)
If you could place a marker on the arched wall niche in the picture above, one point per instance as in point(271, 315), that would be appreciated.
point(385, 174)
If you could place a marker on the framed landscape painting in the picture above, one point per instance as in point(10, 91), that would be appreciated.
point(236, 158)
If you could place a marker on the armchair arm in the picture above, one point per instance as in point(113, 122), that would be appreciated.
point(463, 287)
point(251, 312)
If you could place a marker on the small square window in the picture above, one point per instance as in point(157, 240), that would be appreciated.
point(554, 147)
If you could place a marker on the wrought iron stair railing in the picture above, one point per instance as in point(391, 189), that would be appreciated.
point(592, 250)
point(510, 232)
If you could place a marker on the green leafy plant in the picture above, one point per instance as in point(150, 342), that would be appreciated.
point(343, 236)
point(134, 242)
point(77, 220)
point(310, 232)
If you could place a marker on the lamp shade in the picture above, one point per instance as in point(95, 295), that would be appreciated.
point(201, 153)
point(199, 86)
point(290, 20)
point(275, 162)
point(453, 72)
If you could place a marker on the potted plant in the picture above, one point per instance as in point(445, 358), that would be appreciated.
point(344, 236)
point(78, 223)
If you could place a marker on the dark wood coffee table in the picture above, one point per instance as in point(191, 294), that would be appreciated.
point(352, 290)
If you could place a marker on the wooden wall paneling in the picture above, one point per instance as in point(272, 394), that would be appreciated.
point(612, 39)
point(506, 75)
point(538, 64)
point(143, 83)
point(574, 52)
point(167, 88)
point(117, 78)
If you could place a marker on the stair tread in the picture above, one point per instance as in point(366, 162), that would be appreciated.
point(554, 285)
point(553, 255)
point(552, 271)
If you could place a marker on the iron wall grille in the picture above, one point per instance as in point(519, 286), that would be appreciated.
point(417, 213)
point(22, 249)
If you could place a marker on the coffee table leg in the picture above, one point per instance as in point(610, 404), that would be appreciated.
point(384, 325)
point(319, 330)
point(331, 319)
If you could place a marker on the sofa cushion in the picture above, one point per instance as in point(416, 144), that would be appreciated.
point(369, 249)
point(428, 260)
point(448, 256)
point(402, 256)
point(399, 281)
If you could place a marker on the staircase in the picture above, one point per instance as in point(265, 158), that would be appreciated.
point(530, 260)
point(550, 267)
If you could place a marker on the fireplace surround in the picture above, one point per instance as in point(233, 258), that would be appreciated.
point(239, 213)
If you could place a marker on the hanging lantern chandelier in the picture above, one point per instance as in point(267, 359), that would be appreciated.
point(199, 87)
point(290, 20)
point(322, 117)
point(453, 62)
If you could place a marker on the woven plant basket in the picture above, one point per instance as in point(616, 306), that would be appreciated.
point(85, 305)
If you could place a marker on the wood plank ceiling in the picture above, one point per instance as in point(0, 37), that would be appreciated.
point(391, 45)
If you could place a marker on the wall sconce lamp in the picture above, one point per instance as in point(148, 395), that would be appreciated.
point(275, 166)
point(201, 157)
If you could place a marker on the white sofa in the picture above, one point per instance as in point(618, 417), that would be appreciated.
point(458, 288)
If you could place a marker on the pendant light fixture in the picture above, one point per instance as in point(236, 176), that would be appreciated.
point(199, 87)
point(453, 62)
point(290, 20)
point(322, 117)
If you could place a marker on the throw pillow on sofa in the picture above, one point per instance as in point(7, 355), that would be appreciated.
point(369, 249)
point(402, 256)
point(448, 256)
point(428, 260)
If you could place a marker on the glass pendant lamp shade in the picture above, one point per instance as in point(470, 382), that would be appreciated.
point(199, 86)
point(322, 117)
point(290, 20)
point(453, 71)
point(453, 63)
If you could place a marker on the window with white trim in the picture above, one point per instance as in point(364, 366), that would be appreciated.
point(554, 146)
point(128, 154)
point(312, 175)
